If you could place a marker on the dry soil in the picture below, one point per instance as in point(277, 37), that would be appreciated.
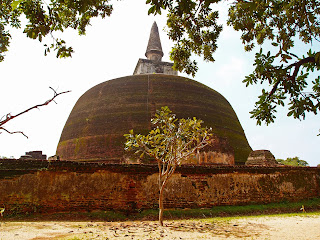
point(273, 227)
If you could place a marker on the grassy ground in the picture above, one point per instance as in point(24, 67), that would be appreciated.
point(248, 217)
point(218, 211)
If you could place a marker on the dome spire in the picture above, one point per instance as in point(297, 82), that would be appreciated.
point(154, 49)
point(154, 54)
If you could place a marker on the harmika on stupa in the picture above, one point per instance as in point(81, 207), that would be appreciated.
point(102, 115)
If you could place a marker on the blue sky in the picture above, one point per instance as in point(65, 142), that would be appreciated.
point(111, 49)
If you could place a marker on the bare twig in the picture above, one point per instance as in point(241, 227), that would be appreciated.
point(2, 128)
point(8, 117)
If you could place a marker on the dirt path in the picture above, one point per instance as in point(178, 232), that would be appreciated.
point(279, 227)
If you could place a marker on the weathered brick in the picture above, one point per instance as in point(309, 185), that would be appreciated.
point(71, 186)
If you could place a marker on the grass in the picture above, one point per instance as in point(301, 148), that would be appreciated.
point(224, 211)
point(310, 206)
point(69, 216)
point(282, 215)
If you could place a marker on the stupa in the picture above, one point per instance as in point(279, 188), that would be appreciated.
point(102, 115)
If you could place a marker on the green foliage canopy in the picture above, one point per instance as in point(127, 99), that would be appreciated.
point(47, 18)
point(279, 25)
point(193, 27)
point(293, 162)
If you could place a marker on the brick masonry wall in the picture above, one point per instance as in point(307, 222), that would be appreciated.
point(40, 186)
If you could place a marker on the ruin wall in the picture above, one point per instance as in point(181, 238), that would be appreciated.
point(42, 186)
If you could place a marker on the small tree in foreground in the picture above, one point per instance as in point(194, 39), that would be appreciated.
point(170, 142)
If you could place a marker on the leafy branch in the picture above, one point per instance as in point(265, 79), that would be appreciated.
point(45, 19)
point(281, 23)
point(287, 83)
point(193, 27)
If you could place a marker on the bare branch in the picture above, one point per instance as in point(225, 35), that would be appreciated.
point(8, 117)
point(1, 128)
point(297, 66)
point(202, 144)
point(275, 86)
point(292, 77)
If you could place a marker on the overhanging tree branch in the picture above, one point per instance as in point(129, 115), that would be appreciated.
point(2, 128)
point(8, 117)
point(292, 77)
point(297, 66)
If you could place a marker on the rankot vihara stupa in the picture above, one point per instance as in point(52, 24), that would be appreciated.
point(95, 128)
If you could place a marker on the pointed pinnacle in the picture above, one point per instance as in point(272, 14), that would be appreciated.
point(154, 49)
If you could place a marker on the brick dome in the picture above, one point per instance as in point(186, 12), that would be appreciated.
point(94, 130)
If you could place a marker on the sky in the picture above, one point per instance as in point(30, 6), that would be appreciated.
point(111, 49)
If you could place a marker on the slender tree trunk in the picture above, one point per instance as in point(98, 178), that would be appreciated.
point(161, 204)
point(162, 185)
